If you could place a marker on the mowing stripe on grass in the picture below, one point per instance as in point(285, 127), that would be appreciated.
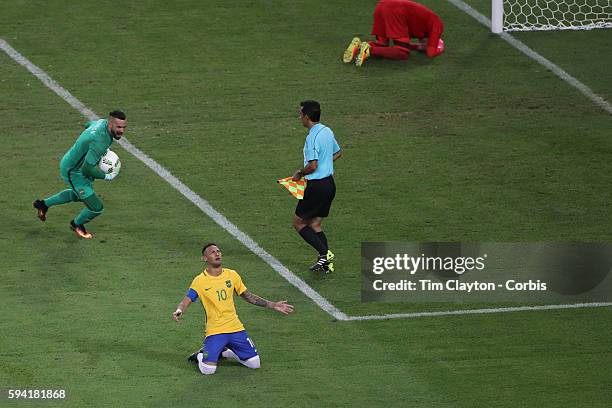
point(180, 187)
point(232, 229)
point(585, 90)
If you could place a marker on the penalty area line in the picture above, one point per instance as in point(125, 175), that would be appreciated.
point(480, 311)
point(178, 185)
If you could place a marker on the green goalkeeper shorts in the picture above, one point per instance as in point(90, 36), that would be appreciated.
point(79, 183)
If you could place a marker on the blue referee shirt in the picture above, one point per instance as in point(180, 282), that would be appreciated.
point(320, 145)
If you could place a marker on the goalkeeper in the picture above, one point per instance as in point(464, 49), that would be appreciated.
point(409, 25)
point(225, 335)
point(79, 168)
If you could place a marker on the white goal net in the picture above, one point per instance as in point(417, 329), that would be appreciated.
point(528, 15)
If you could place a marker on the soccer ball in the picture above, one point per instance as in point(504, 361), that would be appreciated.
point(110, 163)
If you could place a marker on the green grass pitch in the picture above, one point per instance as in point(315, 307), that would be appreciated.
point(480, 144)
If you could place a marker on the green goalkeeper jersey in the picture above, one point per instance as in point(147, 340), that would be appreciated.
point(90, 146)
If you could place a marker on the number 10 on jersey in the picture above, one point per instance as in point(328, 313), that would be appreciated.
point(222, 294)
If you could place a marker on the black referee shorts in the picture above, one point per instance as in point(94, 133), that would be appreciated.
point(318, 198)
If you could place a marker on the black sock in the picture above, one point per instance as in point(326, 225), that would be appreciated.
point(323, 239)
point(313, 240)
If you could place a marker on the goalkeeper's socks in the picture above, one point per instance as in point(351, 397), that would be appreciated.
point(85, 216)
point(63, 197)
point(393, 53)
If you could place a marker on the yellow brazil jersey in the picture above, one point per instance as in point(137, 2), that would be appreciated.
point(217, 296)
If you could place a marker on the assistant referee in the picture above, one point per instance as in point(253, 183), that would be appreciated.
point(320, 152)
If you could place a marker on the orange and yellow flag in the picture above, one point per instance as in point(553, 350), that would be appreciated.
point(296, 188)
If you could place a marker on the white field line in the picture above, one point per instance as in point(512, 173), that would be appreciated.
point(180, 187)
point(585, 90)
point(479, 311)
point(247, 241)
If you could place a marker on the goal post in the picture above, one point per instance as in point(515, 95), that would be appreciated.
point(535, 15)
point(497, 16)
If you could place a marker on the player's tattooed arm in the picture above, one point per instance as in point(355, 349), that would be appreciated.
point(280, 306)
point(256, 300)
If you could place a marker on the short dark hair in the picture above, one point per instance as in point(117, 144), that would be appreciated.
point(208, 245)
point(312, 109)
point(117, 114)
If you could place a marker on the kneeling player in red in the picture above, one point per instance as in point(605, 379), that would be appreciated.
point(399, 26)
point(225, 335)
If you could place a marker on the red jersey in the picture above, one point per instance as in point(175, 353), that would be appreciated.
point(404, 18)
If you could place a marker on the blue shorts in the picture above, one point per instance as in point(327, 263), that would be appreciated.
point(238, 342)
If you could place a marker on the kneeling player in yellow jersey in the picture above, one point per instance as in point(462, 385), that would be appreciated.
point(224, 334)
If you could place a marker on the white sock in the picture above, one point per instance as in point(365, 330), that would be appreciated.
point(252, 362)
point(206, 369)
point(227, 353)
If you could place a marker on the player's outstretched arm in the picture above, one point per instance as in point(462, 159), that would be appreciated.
point(180, 309)
point(280, 306)
point(283, 307)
